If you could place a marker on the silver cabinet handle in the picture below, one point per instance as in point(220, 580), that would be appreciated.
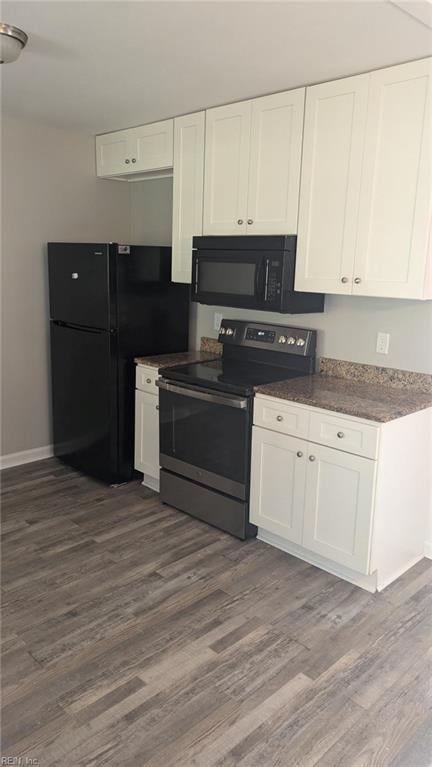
point(148, 380)
point(240, 221)
point(299, 454)
point(127, 162)
point(74, 275)
point(133, 159)
point(279, 418)
point(250, 221)
point(344, 279)
point(311, 457)
point(340, 434)
point(157, 407)
point(357, 280)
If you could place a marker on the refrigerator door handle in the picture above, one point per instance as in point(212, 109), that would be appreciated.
point(83, 328)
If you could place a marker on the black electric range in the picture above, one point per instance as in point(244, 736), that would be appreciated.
point(206, 413)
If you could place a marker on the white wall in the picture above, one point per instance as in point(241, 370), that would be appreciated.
point(348, 327)
point(50, 192)
point(151, 212)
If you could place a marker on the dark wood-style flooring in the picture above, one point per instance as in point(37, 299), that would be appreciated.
point(135, 635)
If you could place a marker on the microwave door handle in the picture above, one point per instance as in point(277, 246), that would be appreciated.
point(196, 275)
point(266, 279)
point(259, 279)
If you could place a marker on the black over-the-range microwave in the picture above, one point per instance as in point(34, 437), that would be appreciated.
point(249, 272)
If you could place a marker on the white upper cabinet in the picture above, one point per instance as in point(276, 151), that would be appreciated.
point(226, 175)
point(335, 121)
point(275, 161)
point(135, 150)
point(153, 146)
point(187, 191)
point(395, 203)
point(252, 168)
point(113, 153)
point(365, 201)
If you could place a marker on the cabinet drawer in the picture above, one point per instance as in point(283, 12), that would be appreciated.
point(282, 417)
point(146, 379)
point(340, 433)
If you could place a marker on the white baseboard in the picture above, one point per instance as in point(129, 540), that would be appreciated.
point(26, 456)
point(428, 549)
point(367, 582)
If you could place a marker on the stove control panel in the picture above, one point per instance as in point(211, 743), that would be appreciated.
point(277, 338)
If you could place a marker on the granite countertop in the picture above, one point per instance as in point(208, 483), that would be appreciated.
point(170, 360)
point(371, 401)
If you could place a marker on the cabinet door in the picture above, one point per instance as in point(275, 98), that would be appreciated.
point(187, 191)
point(275, 161)
point(147, 433)
point(226, 173)
point(335, 120)
point(339, 506)
point(113, 154)
point(153, 146)
point(278, 473)
point(395, 202)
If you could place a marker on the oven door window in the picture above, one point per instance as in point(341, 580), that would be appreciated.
point(208, 440)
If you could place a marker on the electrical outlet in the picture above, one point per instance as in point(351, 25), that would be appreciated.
point(217, 321)
point(383, 342)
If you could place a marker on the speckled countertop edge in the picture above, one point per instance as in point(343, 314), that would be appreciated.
point(371, 402)
point(374, 374)
point(210, 349)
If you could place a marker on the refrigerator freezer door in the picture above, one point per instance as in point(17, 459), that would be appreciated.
point(84, 399)
point(79, 284)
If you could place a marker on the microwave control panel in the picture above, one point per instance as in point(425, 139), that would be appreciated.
point(273, 286)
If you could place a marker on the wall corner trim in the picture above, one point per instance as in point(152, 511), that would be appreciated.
point(26, 456)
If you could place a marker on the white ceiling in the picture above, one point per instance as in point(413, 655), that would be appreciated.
point(101, 66)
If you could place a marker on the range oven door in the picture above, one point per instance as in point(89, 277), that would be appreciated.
point(205, 437)
point(247, 279)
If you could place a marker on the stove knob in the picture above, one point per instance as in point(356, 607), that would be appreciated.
point(222, 331)
point(229, 332)
point(291, 340)
point(282, 339)
point(300, 342)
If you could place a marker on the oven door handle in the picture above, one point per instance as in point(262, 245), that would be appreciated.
point(203, 394)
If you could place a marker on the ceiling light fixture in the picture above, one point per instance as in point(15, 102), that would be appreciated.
point(12, 41)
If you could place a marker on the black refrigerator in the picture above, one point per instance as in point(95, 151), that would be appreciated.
point(108, 304)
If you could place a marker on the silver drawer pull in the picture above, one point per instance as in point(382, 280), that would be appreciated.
point(340, 434)
point(311, 457)
point(299, 454)
point(148, 380)
point(157, 407)
point(279, 418)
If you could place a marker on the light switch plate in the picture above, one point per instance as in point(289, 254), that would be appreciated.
point(383, 343)
point(217, 320)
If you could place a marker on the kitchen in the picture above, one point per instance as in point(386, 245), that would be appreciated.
point(283, 452)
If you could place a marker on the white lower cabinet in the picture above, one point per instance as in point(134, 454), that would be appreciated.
point(360, 515)
point(277, 483)
point(147, 435)
point(338, 505)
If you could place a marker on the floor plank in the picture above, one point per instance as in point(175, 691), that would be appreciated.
point(133, 634)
